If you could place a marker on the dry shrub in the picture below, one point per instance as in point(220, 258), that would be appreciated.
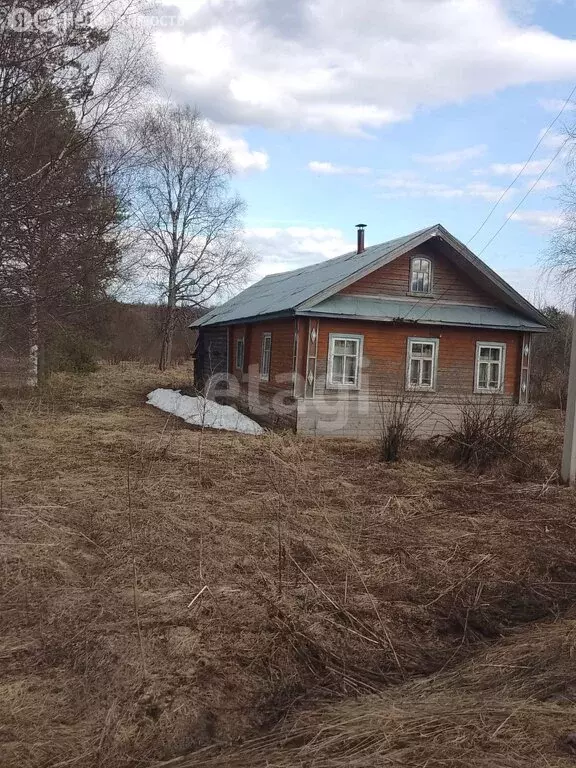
point(328, 575)
point(398, 424)
point(487, 432)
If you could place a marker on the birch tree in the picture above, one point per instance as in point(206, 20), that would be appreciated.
point(188, 216)
point(69, 70)
point(62, 250)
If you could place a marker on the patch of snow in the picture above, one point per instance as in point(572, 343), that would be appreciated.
point(202, 412)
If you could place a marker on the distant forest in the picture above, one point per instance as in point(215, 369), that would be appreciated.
point(109, 331)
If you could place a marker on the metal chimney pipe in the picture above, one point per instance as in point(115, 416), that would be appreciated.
point(361, 230)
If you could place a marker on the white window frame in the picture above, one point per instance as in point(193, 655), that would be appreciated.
point(332, 339)
point(240, 353)
point(430, 276)
point(487, 390)
point(265, 369)
point(435, 344)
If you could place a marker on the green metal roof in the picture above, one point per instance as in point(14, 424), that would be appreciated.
point(301, 290)
point(423, 313)
point(285, 291)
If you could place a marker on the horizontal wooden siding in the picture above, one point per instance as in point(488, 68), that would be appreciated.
point(448, 282)
point(385, 350)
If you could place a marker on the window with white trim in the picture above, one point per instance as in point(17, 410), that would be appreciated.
point(240, 353)
point(422, 364)
point(420, 275)
point(344, 360)
point(265, 357)
point(490, 367)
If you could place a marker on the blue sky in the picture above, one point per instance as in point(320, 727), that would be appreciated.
point(398, 114)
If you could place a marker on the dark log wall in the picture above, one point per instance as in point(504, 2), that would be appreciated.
point(211, 354)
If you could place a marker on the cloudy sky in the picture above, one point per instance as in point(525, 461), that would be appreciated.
point(396, 113)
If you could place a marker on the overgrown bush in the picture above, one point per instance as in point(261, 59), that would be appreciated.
point(134, 332)
point(398, 424)
point(487, 432)
point(71, 351)
point(551, 360)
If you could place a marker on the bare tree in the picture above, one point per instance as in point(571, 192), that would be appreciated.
point(560, 257)
point(93, 51)
point(189, 218)
point(90, 53)
point(551, 360)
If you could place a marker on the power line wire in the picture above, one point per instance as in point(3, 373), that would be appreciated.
point(511, 214)
point(509, 187)
point(531, 189)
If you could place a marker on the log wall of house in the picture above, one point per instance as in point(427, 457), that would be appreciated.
point(385, 354)
point(279, 402)
point(211, 357)
point(358, 413)
point(448, 282)
point(271, 401)
point(282, 353)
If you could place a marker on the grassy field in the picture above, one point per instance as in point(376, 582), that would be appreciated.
point(271, 601)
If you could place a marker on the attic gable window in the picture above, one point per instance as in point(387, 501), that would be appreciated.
point(420, 275)
point(344, 359)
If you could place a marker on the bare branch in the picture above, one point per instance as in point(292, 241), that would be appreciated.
point(184, 208)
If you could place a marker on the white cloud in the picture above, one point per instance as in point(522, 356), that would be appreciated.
point(552, 140)
point(485, 191)
point(557, 105)
point(534, 284)
point(543, 184)
point(329, 169)
point(533, 168)
point(284, 248)
point(539, 219)
point(349, 67)
point(447, 161)
point(244, 158)
point(408, 184)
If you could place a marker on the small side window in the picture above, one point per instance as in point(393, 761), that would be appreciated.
point(265, 357)
point(420, 275)
point(240, 354)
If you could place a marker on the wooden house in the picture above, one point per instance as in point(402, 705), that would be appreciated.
point(326, 349)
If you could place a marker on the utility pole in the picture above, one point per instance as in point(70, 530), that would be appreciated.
point(569, 454)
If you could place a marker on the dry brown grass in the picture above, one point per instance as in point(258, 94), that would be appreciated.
point(509, 707)
point(530, 452)
point(328, 575)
